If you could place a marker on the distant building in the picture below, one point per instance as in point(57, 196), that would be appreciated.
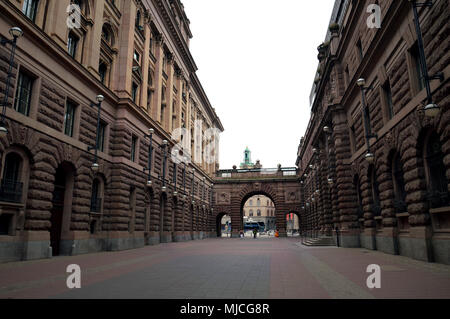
point(260, 208)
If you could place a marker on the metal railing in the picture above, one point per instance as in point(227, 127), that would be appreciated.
point(11, 191)
point(286, 171)
point(96, 205)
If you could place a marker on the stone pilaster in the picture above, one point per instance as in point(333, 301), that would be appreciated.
point(345, 190)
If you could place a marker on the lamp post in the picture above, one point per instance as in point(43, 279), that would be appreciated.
point(95, 166)
point(175, 193)
point(184, 177)
point(164, 147)
point(16, 33)
point(328, 131)
point(150, 157)
point(192, 186)
point(431, 109)
point(362, 85)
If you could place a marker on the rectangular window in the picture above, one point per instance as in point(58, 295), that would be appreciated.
point(360, 50)
point(69, 118)
point(30, 9)
point(134, 92)
point(353, 138)
point(133, 148)
point(101, 137)
point(163, 110)
point(388, 98)
point(149, 99)
point(22, 102)
point(72, 44)
point(419, 77)
point(137, 56)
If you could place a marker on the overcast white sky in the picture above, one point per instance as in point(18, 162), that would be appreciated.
point(257, 61)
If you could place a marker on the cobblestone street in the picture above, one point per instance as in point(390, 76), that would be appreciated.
point(227, 268)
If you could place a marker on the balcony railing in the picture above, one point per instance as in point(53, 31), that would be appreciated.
point(438, 199)
point(400, 207)
point(96, 205)
point(11, 191)
point(376, 210)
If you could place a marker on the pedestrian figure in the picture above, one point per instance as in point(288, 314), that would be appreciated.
point(255, 231)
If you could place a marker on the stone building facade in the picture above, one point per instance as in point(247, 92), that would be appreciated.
point(396, 201)
point(136, 55)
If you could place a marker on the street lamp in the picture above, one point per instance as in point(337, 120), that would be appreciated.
point(362, 85)
point(431, 110)
point(16, 33)
point(164, 147)
point(150, 157)
point(95, 167)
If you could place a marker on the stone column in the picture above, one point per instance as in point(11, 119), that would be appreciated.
point(156, 111)
point(126, 50)
point(145, 64)
point(387, 241)
point(347, 202)
point(236, 217)
point(325, 195)
point(167, 224)
point(414, 173)
point(368, 239)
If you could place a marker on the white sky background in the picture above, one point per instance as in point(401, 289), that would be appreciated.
point(257, 61)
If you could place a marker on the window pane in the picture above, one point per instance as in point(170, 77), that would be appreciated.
point(30, 8)
point(23, 94)
point(69, 118)
point(101, 137)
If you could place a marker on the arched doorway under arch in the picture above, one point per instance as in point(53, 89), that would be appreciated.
point(293, 223)
point(223, 224)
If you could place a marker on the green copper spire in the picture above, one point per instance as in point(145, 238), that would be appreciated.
point(247, 159)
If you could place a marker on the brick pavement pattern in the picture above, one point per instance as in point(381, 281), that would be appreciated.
point(227, 268)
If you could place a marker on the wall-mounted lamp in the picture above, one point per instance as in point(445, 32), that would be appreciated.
point(150, 157)
point(362, 85)
point(431, 109)
point(100, 98)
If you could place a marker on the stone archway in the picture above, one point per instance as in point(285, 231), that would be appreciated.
point(219, 218)
point(231, 194)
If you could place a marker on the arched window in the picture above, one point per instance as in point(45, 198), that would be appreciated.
point(11, 184)
point(107, 34)
point(399, 184)
point(251, 213)
point(376, 208)
point(436, 174)
point(259, 213)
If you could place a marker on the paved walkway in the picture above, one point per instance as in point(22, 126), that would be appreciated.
point(227, 268)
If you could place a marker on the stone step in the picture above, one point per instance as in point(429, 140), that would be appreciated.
point(323, 241)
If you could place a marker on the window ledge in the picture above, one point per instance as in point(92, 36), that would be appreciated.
point(445, 209)
point(402, 214)
point(12, 204)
